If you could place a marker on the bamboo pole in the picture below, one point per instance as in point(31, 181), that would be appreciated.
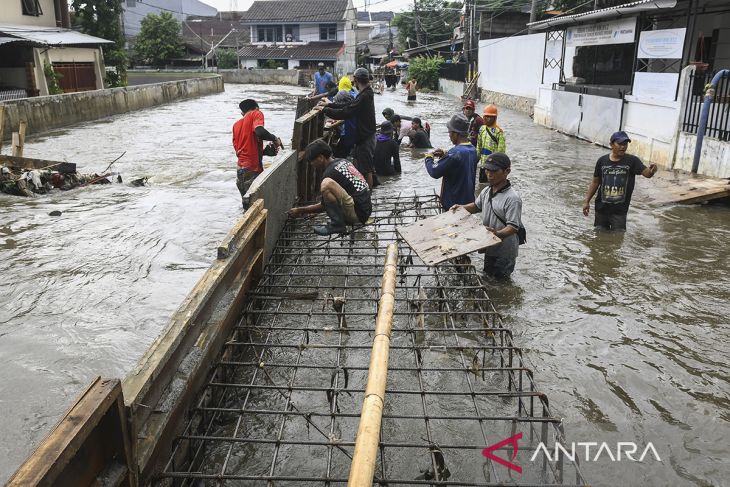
point(362, 469)
point(19, 140)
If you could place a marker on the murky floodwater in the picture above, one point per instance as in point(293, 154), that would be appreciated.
point(628, 334)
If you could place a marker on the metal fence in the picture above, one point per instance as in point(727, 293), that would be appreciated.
point(6, 95)
point(718, 122)
point(453, 71)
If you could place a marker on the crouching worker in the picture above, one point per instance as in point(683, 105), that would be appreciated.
point(345, 192)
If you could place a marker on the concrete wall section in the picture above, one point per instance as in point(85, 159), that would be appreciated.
point(261, 76)
point(12, 13)
point(451, 87)
point(714, 159)
point(50, 112)
point(514, 102)
point(652, 126)
point(512, 65)
point(600, 118)
point(277, 186)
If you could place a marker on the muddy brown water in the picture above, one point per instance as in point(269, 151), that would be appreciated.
point(627, 333)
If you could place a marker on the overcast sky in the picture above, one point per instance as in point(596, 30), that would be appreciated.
point(374, 5)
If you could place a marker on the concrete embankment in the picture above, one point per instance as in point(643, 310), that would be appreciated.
point(51, 112)
point(261, 76)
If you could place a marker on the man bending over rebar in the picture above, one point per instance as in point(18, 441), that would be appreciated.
point(345, 192)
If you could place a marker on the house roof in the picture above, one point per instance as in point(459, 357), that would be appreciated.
point(295, 11)
point(603, 14)
point(314, 51)
point(47, 36)
point(212, 30)
point(375, 16)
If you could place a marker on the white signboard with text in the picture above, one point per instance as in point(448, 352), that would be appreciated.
point(620, 31)
point(659, 86)
point(661, 44)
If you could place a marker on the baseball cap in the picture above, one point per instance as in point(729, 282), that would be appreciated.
point(469, 104)
point(361, 73)
point(458, 124)
point(320, 65)
point(497, 161)
point(620, 137)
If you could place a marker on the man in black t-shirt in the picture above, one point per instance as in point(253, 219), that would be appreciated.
point(613, 180)
point(345, 192)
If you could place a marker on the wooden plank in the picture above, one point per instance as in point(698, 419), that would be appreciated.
point(28, 163)
point(447, 235)
point(78, 431)
point(19, 141)
point(669, 187)
point(2, 125)
point(15, 144)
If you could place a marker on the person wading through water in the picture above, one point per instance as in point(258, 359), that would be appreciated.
point(491, 139)
point(248, 136)
point(362, 109)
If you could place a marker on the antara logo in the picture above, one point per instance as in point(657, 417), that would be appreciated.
point(623, 450)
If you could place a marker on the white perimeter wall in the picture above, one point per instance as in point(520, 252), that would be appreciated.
point(512, 65)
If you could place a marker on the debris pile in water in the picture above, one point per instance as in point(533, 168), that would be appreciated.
point(23, 182)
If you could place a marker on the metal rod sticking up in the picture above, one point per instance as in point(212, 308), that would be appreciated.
point(362, 468)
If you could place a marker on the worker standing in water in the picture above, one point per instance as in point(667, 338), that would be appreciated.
point(491, 139)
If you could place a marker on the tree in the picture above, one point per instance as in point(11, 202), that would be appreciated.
point(425, 70)
point(227, 58)
point(100, 18)
point(159, 39)
point(436, 21)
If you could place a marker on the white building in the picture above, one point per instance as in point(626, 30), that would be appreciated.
point(34, 33)
point(136, 10)
point(300, 33)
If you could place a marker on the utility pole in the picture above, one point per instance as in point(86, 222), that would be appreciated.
point(415, 22)
point(467, 32)
point(533, 15)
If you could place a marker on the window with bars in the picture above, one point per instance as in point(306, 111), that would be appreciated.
point(327, 32)
point(31, 7)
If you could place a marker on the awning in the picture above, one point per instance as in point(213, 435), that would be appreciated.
point(49, 36)
point(602, 14)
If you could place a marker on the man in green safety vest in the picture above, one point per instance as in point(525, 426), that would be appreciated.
point(491, 139)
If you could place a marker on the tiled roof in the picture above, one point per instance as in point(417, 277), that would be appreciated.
point(314, 51)
point(375, 16)
point(212, 31)
point(295, 11)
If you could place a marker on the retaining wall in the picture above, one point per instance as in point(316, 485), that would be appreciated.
point(261, 76)
point(714, 158)
point(513, 102)
point(277, 186)
point(451, 87)
point(51, 112)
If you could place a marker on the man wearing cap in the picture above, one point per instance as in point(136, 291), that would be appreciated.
point(386, 150)
point(345, 193)
point(613, 180)
point(501, 209)
point(457, 167)
point(248, 136)
point(321, 78)
point(491, 139)
point(475, 121)
point(363, 111)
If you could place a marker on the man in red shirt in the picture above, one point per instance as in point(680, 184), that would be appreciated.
point(248, 136)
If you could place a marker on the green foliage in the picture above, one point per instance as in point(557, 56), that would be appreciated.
point(52, 78)
point(159, 39)
point(227, 58)
point(425, 70)
point(272, 64)
point(436, 21)
point(100, 18)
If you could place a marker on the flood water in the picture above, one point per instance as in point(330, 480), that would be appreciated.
point(627, 333)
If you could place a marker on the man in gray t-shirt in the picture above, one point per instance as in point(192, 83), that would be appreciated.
point(501, 209)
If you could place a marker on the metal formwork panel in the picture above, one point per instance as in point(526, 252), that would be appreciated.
point(283, 404)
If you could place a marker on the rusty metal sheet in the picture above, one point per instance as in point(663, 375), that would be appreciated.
point(447, 235)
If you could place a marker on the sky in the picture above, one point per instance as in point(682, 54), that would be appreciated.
point(374, 5)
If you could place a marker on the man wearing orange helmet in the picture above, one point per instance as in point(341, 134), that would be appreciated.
point(491, 139)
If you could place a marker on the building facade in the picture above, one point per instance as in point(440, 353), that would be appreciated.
point(135, 11)
point(34, 37)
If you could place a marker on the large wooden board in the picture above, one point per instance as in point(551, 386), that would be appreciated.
point(28, 163)
point(448, 235)
point(678, 187)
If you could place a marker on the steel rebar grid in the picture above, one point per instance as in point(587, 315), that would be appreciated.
point(283, 405)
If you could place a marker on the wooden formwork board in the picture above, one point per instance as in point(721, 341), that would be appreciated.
point(88, 447)
point(669, 187)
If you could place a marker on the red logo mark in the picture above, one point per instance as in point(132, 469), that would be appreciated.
point(512, 440)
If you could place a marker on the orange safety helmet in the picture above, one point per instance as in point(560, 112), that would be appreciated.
point(490, 111)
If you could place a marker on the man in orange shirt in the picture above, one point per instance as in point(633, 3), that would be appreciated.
point(248, 136)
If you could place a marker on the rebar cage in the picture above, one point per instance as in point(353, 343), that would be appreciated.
point(283, 403)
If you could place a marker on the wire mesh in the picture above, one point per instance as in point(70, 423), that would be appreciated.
point(282, 405)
